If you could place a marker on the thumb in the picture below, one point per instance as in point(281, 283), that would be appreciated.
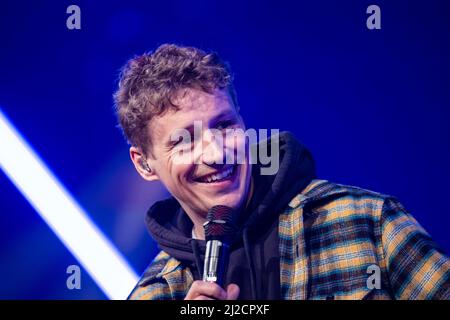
point(232, 291)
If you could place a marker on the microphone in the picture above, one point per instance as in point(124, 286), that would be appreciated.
point(219, 232)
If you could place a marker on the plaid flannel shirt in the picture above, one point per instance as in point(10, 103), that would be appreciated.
point(336, 242)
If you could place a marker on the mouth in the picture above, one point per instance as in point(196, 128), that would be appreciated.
point(226, 173)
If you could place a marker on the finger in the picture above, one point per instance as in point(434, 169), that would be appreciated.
point(201, 297)
point(209, 289)
point(232, 291)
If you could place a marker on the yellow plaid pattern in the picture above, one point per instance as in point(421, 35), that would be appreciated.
point(331, 236)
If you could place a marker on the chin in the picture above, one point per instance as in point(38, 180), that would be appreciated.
point(232, 201)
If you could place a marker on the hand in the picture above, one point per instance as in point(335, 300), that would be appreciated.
point(203, 290)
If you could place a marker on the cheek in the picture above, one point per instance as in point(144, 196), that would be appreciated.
point(182, 155)
point(180, 174)
point(173, 174)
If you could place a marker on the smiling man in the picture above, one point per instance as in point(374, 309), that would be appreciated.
point(203, 180)
point(297, 237)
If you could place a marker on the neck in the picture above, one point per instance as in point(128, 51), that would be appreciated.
point(199, 232)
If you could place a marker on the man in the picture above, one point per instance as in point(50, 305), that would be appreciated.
point(297, 237)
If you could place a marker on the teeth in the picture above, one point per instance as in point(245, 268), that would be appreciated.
point(218, 176)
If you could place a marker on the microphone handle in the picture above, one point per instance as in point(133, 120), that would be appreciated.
point(216, 261)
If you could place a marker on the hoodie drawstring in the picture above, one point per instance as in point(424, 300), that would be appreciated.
point(198, 260)
point(250, 264)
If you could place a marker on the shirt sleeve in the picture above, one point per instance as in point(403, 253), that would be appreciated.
point(418, 269)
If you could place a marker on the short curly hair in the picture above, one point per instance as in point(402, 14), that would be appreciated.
point(148, 84)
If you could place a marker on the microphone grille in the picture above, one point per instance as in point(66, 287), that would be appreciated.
point(220, 224)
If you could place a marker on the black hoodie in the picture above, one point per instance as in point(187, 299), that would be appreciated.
point(254, 263)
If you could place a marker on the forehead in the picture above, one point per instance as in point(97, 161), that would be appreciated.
point(194, 105)
point(194, 100)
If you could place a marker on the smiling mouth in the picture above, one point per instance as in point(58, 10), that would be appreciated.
point(224, 174)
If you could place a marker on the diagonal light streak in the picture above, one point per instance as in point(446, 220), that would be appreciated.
point(63, 215)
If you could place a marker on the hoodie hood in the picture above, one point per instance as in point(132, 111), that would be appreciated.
point(171, 228)
point(272, 193)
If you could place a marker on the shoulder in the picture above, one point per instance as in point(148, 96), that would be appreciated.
point(152, 285)
point(161, 264)
point(323, 195)
point(319, 188)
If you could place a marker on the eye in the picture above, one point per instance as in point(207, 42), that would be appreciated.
point(224, 124)
point(177, 141)
point(181, 142)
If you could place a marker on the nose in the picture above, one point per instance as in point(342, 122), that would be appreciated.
point(213, 152)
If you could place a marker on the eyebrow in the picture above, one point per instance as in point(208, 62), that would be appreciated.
point(214, 120)
point(223, 115)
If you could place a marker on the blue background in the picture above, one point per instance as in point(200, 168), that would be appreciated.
point(373, 107)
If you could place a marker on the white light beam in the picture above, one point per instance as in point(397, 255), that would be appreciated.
point(63, 215)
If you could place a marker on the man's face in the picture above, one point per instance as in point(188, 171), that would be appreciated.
point(203, 178)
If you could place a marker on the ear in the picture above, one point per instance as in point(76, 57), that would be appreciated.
point(141, 165)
